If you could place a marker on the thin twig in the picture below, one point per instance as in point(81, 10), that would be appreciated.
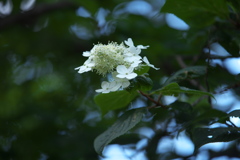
point(152, 100)
point(206, 77)
point(233, 125)
point(159, 98)
point(228, 88)
point(180, 61)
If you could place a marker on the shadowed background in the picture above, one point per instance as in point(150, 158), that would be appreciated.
point(47, 109)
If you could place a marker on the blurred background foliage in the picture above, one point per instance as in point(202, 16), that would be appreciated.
point(47, 109)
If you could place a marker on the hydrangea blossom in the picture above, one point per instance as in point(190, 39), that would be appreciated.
point(119, 60)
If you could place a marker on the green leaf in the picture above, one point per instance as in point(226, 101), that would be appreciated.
point(226, 117)
point(160, 114)
point(203, 136)
point(175, 89)
point(237, 77)
point(197, 13)
point(142, 70)
point(126, 122)
point(183, 112)
point(187, 73)
point(114, 100)
point(142, 83)
point(209, 116)
point(235, 113)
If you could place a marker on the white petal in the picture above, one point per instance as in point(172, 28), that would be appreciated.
point(83, 69)
point(132, 58)
point(115, 86)
point(106, 91)
point(135, 50)
point(86, 54)
point(156, 68)
point(131, 76)
point(89, 63)
point(125, 84)
point(150, 65)
point(87, 69)
point(129, 42)
point(99, 90)
point(117, 79)
point(129, 59)
point(121, 69)
point(134, 65)
point(127, 53)
point(112, 84)
point(105, 84)
point(105, 87)
point(121, 76)
point(130, 70)
point(147, 63)
point(142, 47)
point(145, 60)
point(77, 68)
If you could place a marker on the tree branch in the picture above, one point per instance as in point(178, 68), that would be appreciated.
point(157, 103)
point(236, 85)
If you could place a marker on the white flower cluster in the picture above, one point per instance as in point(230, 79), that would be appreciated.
point(118, 60)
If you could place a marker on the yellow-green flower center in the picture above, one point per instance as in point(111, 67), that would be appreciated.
point(108, 57)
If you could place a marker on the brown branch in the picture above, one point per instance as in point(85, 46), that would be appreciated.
point(157, 103)
point(37, 11)
point(180, 61)
point(228, 88)
point(159, 98)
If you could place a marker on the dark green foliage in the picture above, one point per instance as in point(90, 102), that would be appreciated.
point(49, 110)
point(183, 112)
point(143, 83)
point(175, 89)
point(187, 73)
point(113, 100)
point(205, 10)
point(235, 113)
point(203, 136)
point(126, 122)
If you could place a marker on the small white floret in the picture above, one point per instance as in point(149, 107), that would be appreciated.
point(124, 82)
point(124, 72)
